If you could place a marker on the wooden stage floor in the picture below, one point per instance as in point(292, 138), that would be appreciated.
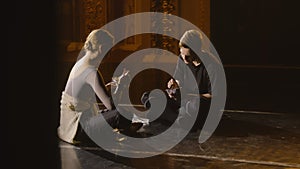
point(243, 140)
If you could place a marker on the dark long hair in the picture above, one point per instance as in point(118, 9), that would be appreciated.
point(193, 56)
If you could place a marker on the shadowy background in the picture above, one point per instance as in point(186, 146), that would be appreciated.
point(29, 120)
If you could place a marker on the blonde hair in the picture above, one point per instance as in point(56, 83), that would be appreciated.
point(96, 38)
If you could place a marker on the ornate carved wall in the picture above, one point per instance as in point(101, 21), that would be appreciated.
point(93, 15)
point(82, 16)
point(168, 7)
point(195, 11)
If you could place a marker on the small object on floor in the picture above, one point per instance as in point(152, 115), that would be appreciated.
point(132, 129)
point(135, 126)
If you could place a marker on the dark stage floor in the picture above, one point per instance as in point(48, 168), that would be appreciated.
point(243, 140)
point(265, 136)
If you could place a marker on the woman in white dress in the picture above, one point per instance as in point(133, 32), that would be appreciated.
point(80, 115)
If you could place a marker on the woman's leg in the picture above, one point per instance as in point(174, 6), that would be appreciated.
point(95, 125)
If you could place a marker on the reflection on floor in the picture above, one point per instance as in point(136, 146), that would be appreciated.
point(243, 140)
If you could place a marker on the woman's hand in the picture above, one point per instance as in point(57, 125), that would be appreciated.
point(117, 80)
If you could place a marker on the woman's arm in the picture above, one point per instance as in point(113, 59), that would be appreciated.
point(95, 80)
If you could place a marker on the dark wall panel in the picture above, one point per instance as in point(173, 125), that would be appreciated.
point(260, 32)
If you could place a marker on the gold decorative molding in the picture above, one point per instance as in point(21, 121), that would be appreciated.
point(93, 16)
point(168, 7)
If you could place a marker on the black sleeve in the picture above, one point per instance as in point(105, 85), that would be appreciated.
point(179, 71)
